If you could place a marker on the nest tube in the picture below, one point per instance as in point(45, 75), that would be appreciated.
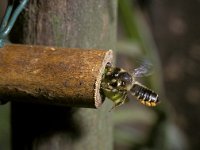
point(50, 75)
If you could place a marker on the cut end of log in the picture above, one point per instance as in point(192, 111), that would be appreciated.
point(97, 96)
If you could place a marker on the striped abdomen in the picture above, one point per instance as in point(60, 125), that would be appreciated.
point(144, 95)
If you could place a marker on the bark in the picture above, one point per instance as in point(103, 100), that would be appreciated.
point(3, 6)
point(52, 75)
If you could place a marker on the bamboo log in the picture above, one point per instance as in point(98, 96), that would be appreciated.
point(52, 75)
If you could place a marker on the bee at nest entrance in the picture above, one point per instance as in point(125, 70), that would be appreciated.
point(117, 83)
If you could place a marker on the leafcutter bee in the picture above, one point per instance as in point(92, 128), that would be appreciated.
point(117, 82)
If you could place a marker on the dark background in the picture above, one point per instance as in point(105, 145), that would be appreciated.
point(172, 29)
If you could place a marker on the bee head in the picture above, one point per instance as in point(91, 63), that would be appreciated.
point(124, 79)
point(121, 80)
point(118, 79)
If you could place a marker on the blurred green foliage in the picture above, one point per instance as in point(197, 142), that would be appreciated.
point(137, 126)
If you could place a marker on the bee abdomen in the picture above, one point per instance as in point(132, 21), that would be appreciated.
point(144, 95)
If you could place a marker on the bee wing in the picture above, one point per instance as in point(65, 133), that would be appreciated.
point(145, 69)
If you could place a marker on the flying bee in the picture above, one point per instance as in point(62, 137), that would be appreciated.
point(117, 82)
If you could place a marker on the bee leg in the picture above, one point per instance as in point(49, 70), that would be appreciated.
point(126, 100)
point(120, 102)
point(114, 106)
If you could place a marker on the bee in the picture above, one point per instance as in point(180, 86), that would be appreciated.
point(117, 82)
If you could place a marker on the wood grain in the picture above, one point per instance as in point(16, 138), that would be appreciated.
point(66, 76)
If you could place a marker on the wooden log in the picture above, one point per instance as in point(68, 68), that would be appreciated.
point(52, 75)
